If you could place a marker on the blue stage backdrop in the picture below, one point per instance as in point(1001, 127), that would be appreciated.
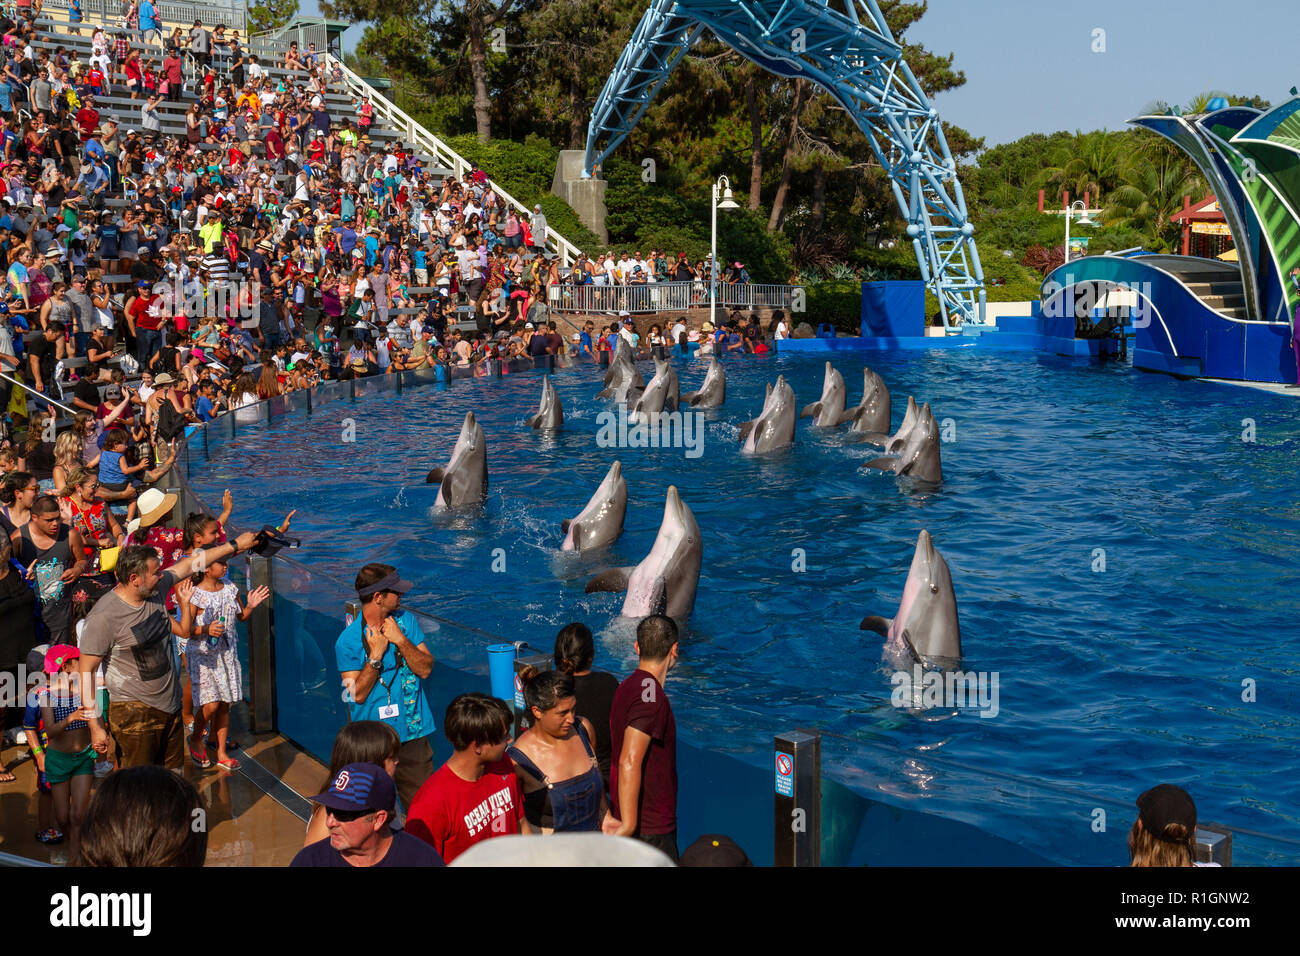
point(893, 309)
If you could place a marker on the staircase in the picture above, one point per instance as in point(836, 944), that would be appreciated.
point(391, 125)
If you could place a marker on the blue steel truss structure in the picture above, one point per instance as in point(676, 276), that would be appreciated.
point(846, 48)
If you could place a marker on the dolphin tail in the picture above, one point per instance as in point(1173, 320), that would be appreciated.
point(434, 477)
point(814, 409)
point(884, 464)
point(615, 579)
point(874, 623)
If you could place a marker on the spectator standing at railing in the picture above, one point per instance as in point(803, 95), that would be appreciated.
point(150, 27)
point(200, 43)
point(174, 72)
point(74, 17)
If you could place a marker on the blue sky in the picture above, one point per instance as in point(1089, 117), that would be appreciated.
point(1030, 66)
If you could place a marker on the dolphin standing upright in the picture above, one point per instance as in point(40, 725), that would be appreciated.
point(925, 627)
point(550, 414)
point(623, 382)
point(828, 411)
point(660, 394)
point(919, 455)
point(896, 441)
point(714, 390)
point(665, 582)
point(465, 479)
point(874, 414)
point(774, 427)
point(601, 521)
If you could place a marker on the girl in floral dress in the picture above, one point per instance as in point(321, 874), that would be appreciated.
point(209, 610)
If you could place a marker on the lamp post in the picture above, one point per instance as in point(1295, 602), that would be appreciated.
point(723, 187)
point(1083, 221)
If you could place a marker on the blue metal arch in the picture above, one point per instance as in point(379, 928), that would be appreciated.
point(846, 48)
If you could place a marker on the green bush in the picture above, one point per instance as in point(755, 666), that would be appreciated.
point(839, 303)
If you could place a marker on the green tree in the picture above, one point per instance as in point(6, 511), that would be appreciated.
point(268, 15)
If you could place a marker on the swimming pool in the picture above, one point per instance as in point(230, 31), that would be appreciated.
point(1122, 559)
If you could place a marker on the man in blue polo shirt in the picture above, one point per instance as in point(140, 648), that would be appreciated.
point(382, 658)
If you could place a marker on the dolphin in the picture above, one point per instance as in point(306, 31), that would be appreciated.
point(774, 427)
point(828, 411)
point(659, 394)
point(873, 415)
point(665, 582)
point(601, 521)
point(550, 414)
point(623, 382)
point(465, 479)
point(895, 442)
point(925, 627)
point(919, 455)
point(714, 390)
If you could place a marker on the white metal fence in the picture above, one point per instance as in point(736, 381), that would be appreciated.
point(669, 297)
point(230, 15)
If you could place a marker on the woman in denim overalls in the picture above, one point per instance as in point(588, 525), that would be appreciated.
point(555, 759)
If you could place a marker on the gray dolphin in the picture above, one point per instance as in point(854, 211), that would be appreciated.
point(550, 414)
point(926, 626)
point(774, 427)
point(623, 382)
point(828, 411)
point(665, 582)
point(919, 456)
point(660, 394)
point(714, 390)
point(601, 521)
point(895, 442)
point(465, 479)
point(874, 414)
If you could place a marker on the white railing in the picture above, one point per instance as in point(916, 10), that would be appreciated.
point(417, 135)
point(231, 15)
point(667, 297)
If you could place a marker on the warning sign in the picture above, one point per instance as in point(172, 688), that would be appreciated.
point(519, 693)
point(784, 775)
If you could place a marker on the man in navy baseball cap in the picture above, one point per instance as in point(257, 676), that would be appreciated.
point(359, 809)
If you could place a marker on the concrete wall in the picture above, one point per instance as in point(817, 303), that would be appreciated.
point(585, 196)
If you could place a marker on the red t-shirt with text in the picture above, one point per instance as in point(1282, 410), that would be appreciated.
point(451, 814)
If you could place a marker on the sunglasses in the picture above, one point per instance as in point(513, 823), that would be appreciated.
point(347, 816)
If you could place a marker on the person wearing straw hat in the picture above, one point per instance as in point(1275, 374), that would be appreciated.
point(130, 631)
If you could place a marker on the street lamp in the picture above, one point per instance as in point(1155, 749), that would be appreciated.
point(1083, 221)
point(723, 187)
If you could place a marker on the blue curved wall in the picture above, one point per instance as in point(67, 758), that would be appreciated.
point(1185, 336)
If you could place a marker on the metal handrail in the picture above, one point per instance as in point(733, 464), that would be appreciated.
point(443, 153)
point(32, 393)
point(655, 297)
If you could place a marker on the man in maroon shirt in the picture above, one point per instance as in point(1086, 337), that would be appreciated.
point(643, 743)
point(88, 117)
point(173, 69)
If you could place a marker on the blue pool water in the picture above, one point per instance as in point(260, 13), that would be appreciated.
point(1109, 680)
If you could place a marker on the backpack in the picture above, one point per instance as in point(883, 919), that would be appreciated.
point(171, 423)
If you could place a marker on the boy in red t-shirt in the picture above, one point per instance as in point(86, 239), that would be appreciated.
point(475, 795)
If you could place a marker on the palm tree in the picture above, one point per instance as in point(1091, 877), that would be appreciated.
point(1093, 164)
point(1155, 182)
